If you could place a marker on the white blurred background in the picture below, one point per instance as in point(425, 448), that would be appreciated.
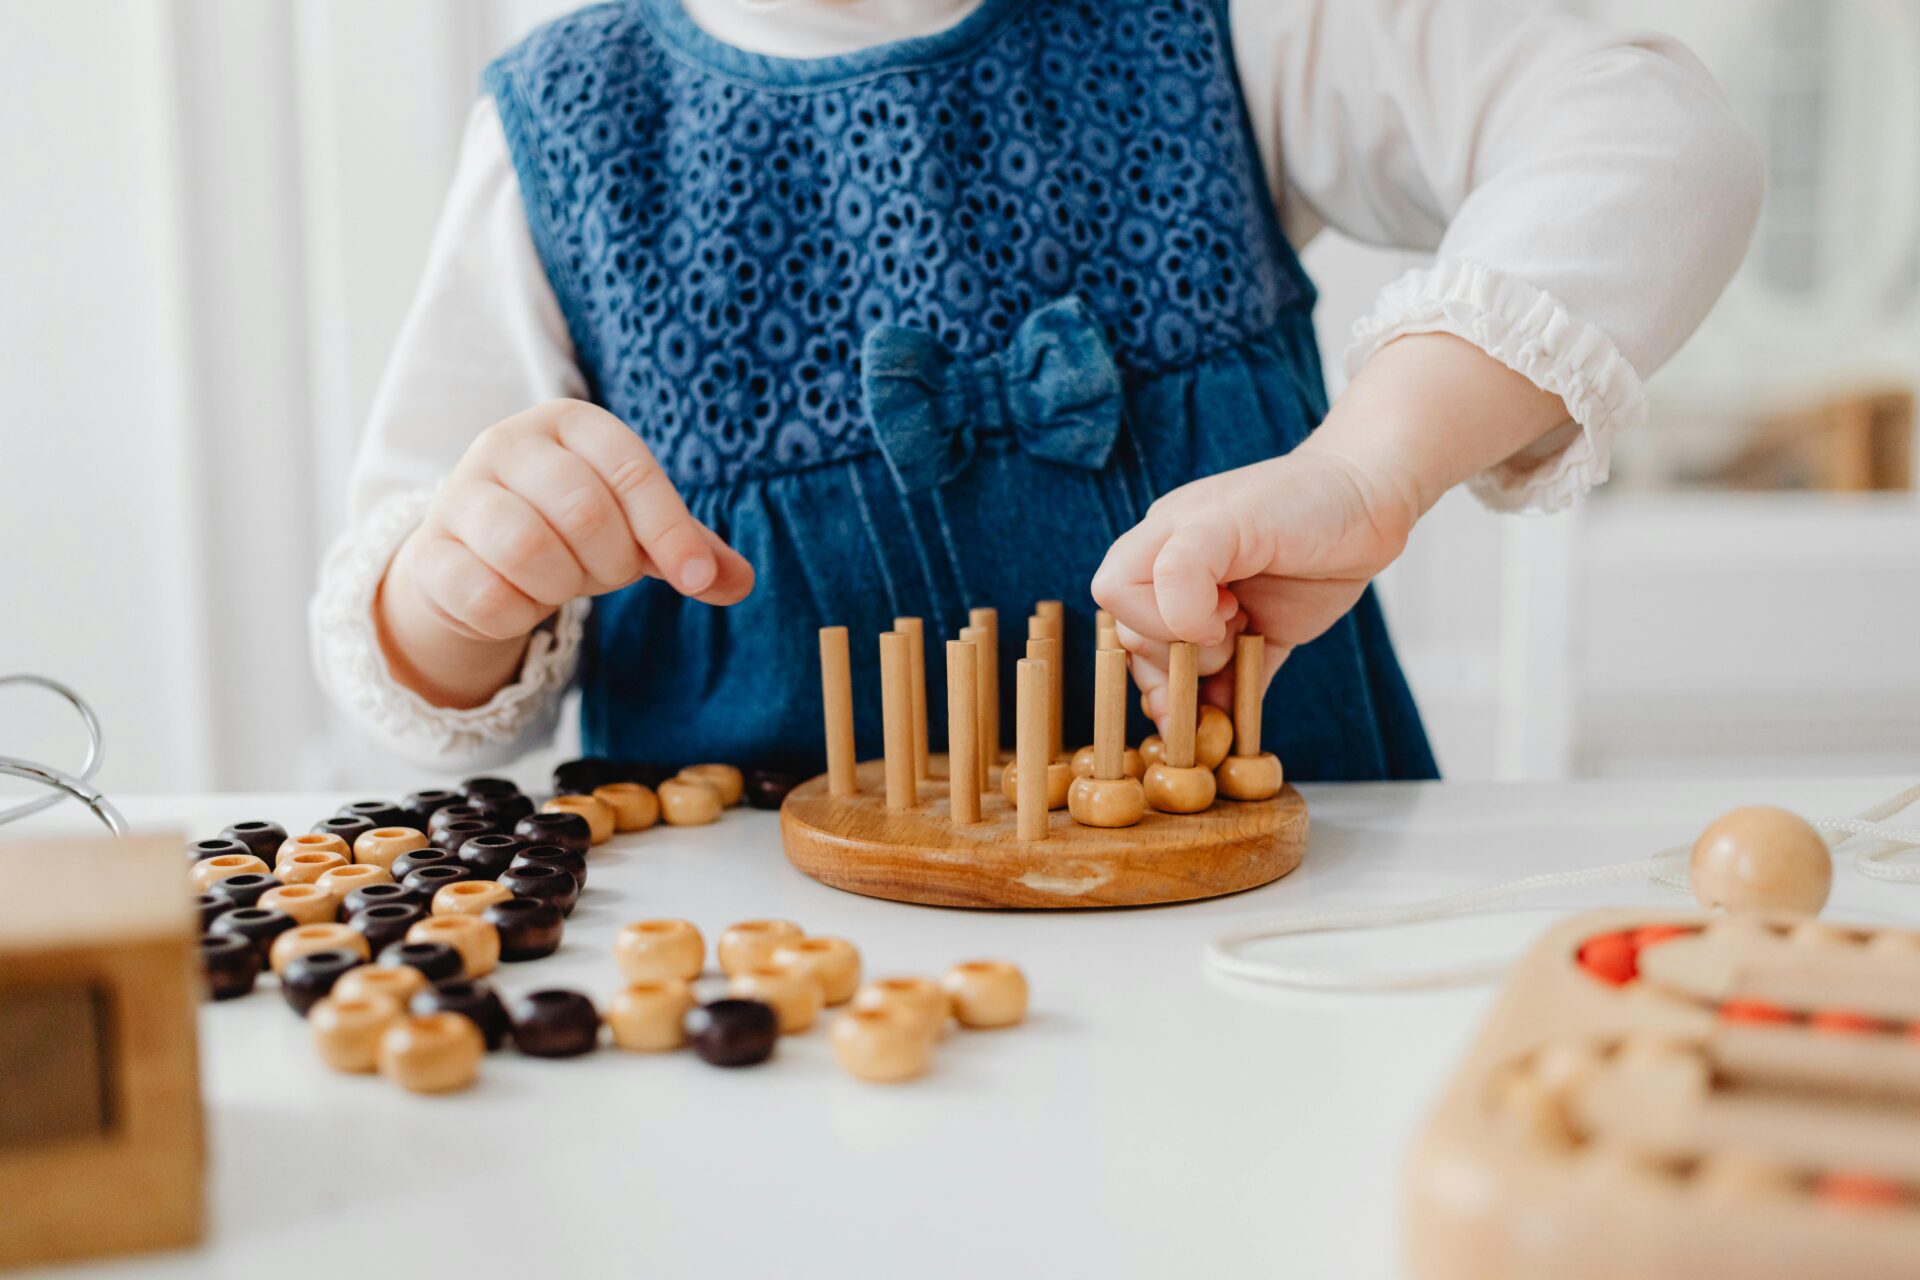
point(214, 214)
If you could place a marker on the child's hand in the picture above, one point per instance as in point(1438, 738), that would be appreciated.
point(1281, 548)
point(558, 502)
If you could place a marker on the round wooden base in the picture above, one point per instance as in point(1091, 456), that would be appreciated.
point(918, 855)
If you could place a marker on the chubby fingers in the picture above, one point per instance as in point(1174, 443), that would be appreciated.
point(1148, 664)
point(467, 595)
point(1166, 578)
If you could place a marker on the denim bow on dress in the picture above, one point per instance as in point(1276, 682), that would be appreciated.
point(1053, 388)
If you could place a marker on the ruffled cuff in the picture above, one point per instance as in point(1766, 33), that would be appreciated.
point(1531, 333)
point(353, 670)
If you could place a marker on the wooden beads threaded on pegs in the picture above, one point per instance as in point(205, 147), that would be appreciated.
point(1060, 782)
point(1759, 859)
point(1212, 737)
point(1177, 784)
point(1249, 773)
point(1108, 797)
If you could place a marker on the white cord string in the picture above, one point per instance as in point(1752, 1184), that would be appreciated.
point(1224, 953)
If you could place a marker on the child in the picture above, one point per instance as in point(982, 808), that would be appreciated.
point(747, 317)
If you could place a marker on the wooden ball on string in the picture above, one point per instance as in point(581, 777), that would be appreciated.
point(1761, 858)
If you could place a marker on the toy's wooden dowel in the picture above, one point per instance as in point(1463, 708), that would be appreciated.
point(917, 669)
point(836, 691)
point(1183, 694)
point(1052, 626)
point(1249, 665)
point(1106, 636)
point(896, 717)
point(963, 731)
point(983, 710)
point(1789, 974)
point(1862, 1064)
point(988, 620)
point(1109, 714)
point(1054, 610)
point(1030, 747)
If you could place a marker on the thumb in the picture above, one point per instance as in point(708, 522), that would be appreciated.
point(1187, 575)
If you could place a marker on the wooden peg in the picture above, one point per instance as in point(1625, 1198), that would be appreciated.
point(988, 620)
point(916, 635)
point(984, 737)
point(1109, 714)
point(836, 691)
point(1249, 665)
point(1106, 635)
point(1052, 626)
point(896, 717)
point(963, 732)
point(1030, 756)
point(1052, 610)
point(1183, 694)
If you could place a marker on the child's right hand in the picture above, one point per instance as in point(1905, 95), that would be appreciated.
point(555, 503)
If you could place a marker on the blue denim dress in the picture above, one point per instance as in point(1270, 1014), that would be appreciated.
point(917, 329)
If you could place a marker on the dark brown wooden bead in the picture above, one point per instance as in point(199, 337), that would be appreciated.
point(258, 925)
point(529, 928)
point(580, 777)
point(229, 963)
point(437, 961)
point(349, 827)
point(427, 881)
point(554, 1024)
point(475, 787)
point(386, 923)
point(572, 861)
point(488, 855)
point(263, 839)
point(211, 905)
point(502, 810)
point(732, 1033)
point(244, 890)
point(381, 813)
point(408, 863)
point(553, 884)
point(475, 1001)
point(455, 834)
point(201, 850)
point(419, 807)
point(767, 788)
point(308, 978)
point(372, 895)
point(462, 812)
point(567, 830)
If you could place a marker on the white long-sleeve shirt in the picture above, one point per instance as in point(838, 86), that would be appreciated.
point(1587, 193)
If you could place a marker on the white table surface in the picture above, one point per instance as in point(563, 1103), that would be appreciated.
point(1147, 1120)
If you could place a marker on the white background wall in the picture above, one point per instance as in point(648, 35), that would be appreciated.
point(214, 214)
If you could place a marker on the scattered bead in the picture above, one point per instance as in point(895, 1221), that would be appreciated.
point(263, 839)
point(473, 788)
point(312, 842)
point(553, 884)
point(599, 817)
point(1761, 859)
point(258, 925)
point(304, 939)
point(229, 963)
point(579, 777)
point(200, 850)
point(557, 828)
point(396, 982)
point(431, 1053)
point(1610, 958)
point(209, 871)
point(381, 813)
point(436, 961)
point(306, 903)
point(1172, 790)
point(768, 788)
point(380, 846)
point(793, 993)
point(341, 881)
point(570, 861)
point(420, 807)
point(688, 804)
point(920, 999)
point(634, 807)
point(882, 1045)
point(374, 895)
point(346, 827)
point(455, 834)
point(477, 941)
point(657, 950)
point(408, 863)
point(475, 1001)
point(986, 993)
point(487, 856)
point(346, 1027)
point(308, 979)
point(244, 890)
point(467, 896)
point(529, 929)
point(503, 810)
point(752, 943)
point(732, 1033)
point(723, 778)
point(211, 905)
point(833, 962)
point(554, 1024)
point(385, 923)
point(647, 1016)
point(429, 881)
point(449, 814)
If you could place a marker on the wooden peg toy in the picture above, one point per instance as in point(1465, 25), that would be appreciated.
point(963, 733)
point(836, 693)
point(1031, 756)
point(1249, 773)
point(1046, 651)
point(896, 718)
point(988, 620)
point(1105, 634)
point(916, 634)
point(1212, 737)
point(1108, 797)
point(881, 1045)
point(1178, 784)
point(1761, 859)
point(1051, 627)
point(1130, 762)
point(986, 715)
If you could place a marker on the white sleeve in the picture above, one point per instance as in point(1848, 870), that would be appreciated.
point(483, 340)
point(1588, 193)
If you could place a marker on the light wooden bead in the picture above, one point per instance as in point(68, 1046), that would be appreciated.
point(341, 881)
point(723, 778)
point(397, 982)
point(431, 1053)
point(1131, 763)
point(306, 866)
point(1107, 802)
point(477, 941)
point(751, 943)
point(634, 806)
point(1212, 737)
point(986, 993)
point(1059, 782)
point(794, 993)
point(656, 950)
point(346, 1026)
point(597, 812)
point(1153, 751)
point(883, 1044)
point(305, 903)
point(304, 939)
point(684, 803)
point(210, 871)
point(380, 846)
point(921, 999)
point(1249, 777)
point(646, 1016)
point(1172, 790)
point(1762, 859)
point(312, 842)
point(833, 962)
point(468, 897)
